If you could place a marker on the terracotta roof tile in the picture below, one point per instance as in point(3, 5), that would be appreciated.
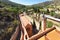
point(53, 35)
point(42, 38)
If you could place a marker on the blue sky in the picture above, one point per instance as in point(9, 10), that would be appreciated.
point(28, 2)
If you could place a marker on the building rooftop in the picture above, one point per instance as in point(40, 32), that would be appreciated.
point(52, 35)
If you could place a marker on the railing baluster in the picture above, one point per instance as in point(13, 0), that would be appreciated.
point(43, 27)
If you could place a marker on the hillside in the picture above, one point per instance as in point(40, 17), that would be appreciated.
point(8, 18)
point(10, 3)
point(43, 4)
point(56, 2)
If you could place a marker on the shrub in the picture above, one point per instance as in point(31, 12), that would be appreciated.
point(57, 16)
point(49, 24)
point(52, 13)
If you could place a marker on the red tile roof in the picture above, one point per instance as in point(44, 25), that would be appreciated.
point(53, 35)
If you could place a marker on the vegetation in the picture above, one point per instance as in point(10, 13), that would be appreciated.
point(57, 16)
point(52, 13)
point(8, 19)
point(8, 23)
point(49, 24)
point(9, 15)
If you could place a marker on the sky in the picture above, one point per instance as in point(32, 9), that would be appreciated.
point(28, 2)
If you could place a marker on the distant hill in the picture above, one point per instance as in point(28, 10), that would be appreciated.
point(22, 6)
point(43, 4)
point(56, 2)
point(10, 3)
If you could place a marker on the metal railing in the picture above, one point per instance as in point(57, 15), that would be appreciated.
point(50, 17)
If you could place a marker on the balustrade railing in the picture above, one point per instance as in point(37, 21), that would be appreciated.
point(24, 32)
